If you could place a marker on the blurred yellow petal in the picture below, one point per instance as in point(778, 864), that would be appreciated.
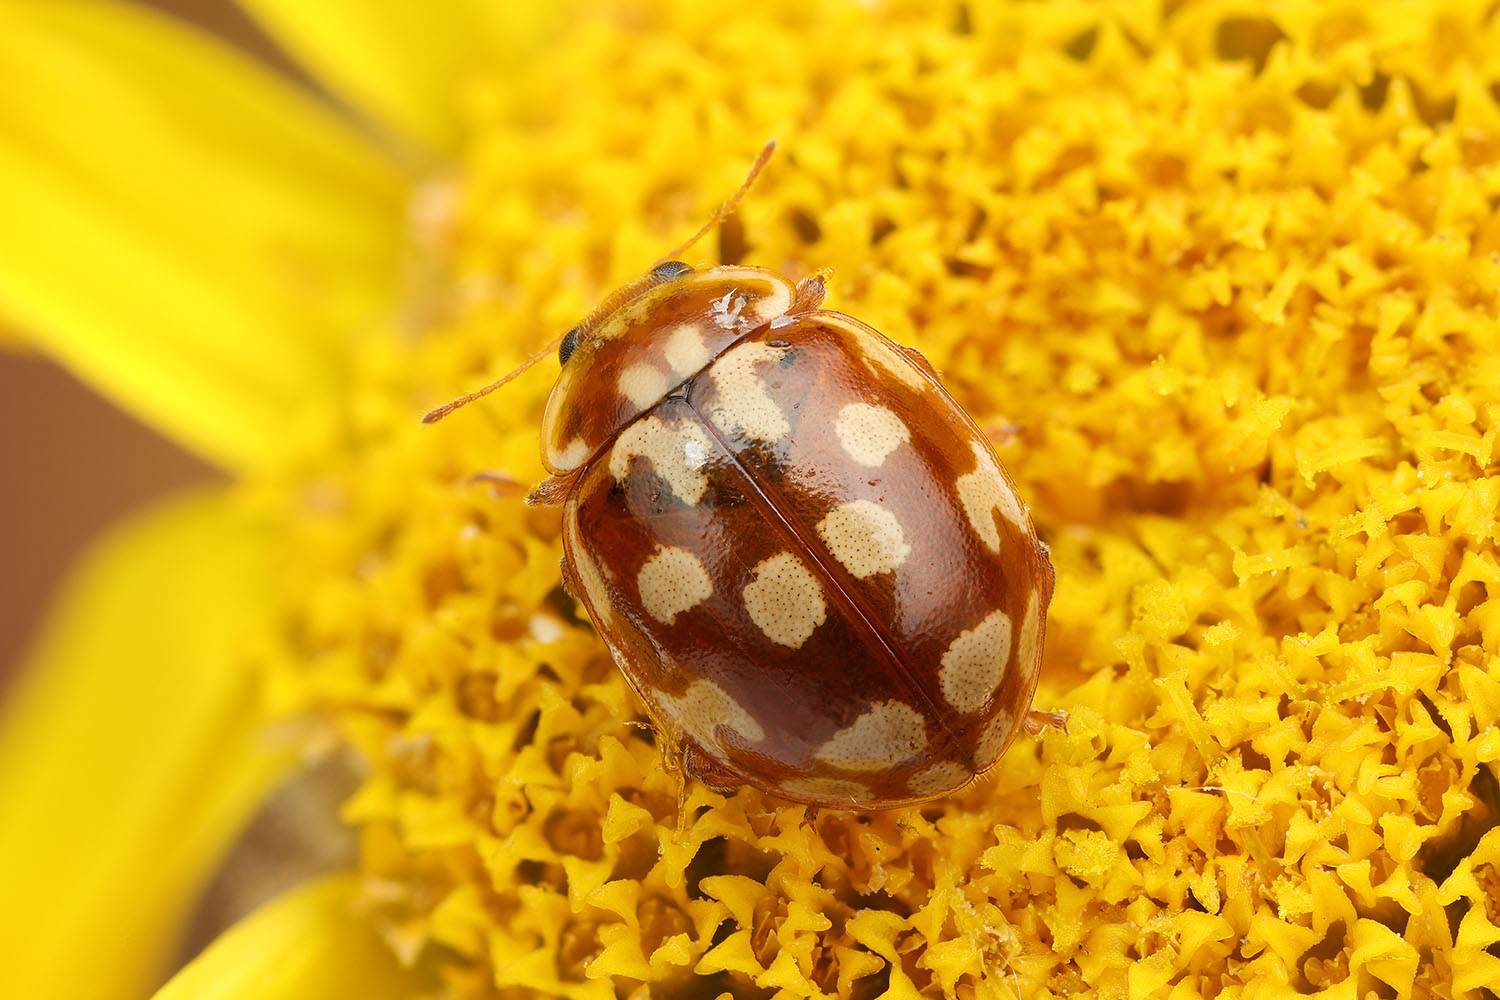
point(132, 752)
point(305, 945)
point(405, 64)
point(190, 233)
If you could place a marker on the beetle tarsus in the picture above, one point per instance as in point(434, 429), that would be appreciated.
point(1037, 722)
point(810, 292)
point(552, 491)
point(920, 360)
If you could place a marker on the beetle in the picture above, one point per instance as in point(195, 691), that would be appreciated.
point(803, 554)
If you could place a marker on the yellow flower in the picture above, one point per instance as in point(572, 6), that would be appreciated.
point(1230, 271)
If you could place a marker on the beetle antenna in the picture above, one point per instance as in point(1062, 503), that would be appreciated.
point(442, 411)
point(726, 209)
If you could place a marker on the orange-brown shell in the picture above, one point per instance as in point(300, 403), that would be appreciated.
point(810, 565)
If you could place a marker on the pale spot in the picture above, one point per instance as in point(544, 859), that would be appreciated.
point(942, 777)
point(827, 789)
point(744, 407)
point(685, 350)
point(673, 581)
point(975, 662)
point(865, 537)
point(1030, 640)
point(588, 572)
point(726, 309)
point(983, 491)
point(694, 453)
point(677, 453)
point(568, 457)
point(644, 384)
point(703, 707)
point(869, 433)
point(992, 741)
point(785, 600)
point(889, 733)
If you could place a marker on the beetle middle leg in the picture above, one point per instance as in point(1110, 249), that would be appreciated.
point(689, 761)
point(709, 771)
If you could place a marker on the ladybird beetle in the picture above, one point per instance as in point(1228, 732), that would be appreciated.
point(803, 554)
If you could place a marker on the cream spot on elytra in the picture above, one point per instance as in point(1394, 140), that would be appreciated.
point(982, 492)
point(785, 600)
point(685, 350)
point(677, 452)
point(829, 790)
point(673, 581)
point(1030, 641)
point(703, 707)
point(869, 433)
point(941, 777)
point(744, 407)
point(992, 741)
point(865, 537)
point(889, 733)
point(975, 663)
point(590, 576)
point(643, 384)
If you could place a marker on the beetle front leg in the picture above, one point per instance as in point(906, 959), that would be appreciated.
point(920, 360)
point(811, 291)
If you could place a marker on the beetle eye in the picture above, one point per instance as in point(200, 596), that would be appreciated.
point(568, 346)
point(669, 269)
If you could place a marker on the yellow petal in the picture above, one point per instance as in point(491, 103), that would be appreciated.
point(305, 945)
point(407, 64)
point(132, 752)
point(193, 235)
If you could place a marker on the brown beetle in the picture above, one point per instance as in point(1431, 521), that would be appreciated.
point(802, 552)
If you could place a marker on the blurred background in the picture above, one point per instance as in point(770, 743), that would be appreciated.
point(73, 463)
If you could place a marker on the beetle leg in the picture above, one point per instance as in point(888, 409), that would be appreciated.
point(500, 484)
point(1035, 722)
point(646, 725)
point(571, 584)
point(810, 291)
point(691, 762)
point(554, 490)
point(1002, 431)
point(709, 771)
point(919, 359)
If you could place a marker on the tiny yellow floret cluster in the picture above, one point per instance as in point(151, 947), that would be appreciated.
point(1222, 279)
